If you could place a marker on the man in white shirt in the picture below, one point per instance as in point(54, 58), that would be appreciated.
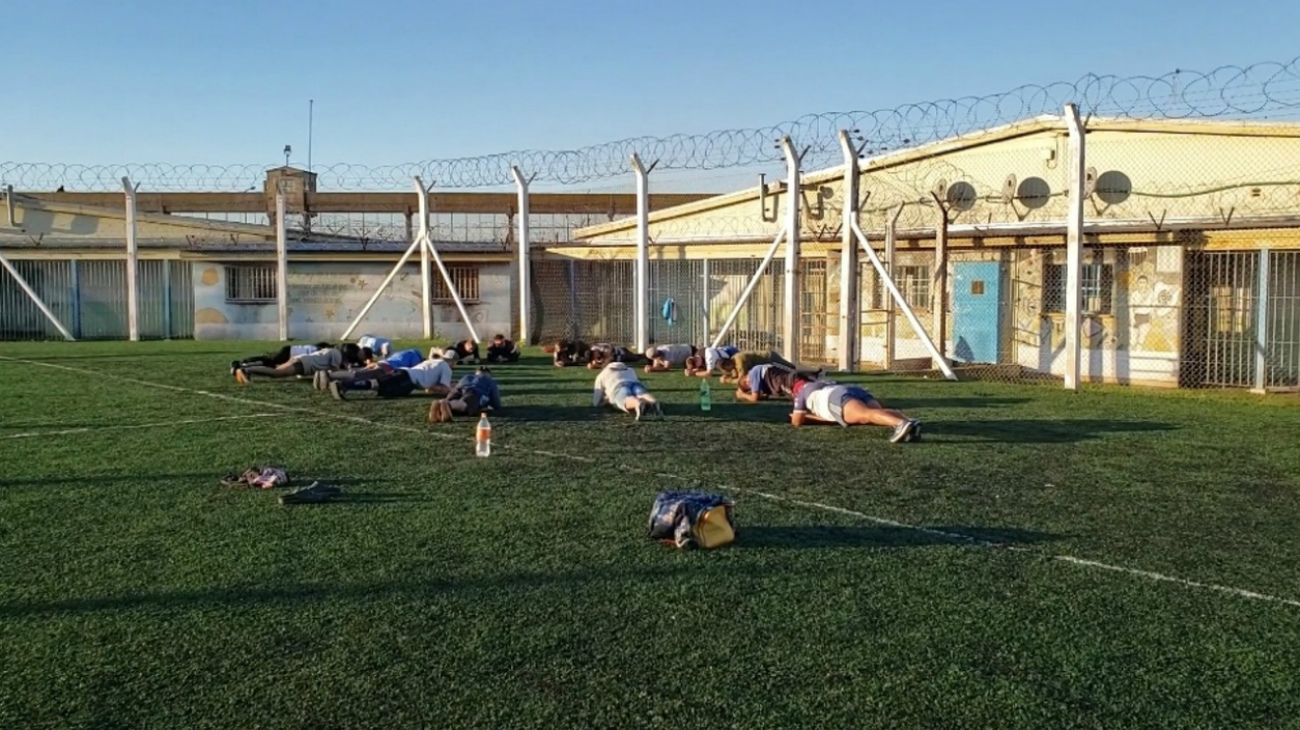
point(433, 376)
point(663, 358)
point(826, 401)
point(301, 366)
point(619, 386)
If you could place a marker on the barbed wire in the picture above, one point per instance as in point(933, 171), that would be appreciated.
point(1267, 89)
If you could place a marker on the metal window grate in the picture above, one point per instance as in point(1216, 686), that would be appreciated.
point(465, 278)
point(250, 284)
point(1097, 286)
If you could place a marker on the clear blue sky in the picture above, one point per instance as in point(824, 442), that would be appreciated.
point(91, 82)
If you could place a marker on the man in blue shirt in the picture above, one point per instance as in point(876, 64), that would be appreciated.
point(396, 361)
point(472, 394)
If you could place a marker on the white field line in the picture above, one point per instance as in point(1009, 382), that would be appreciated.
point(951, 536)
point(157, 424)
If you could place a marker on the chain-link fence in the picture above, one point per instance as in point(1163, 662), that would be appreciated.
point(89, 298)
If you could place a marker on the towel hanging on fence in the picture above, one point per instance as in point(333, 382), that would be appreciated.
point(669, 311)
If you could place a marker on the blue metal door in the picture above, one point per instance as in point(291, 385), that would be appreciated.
point(977, 310)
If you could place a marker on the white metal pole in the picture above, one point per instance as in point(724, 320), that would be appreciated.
point(31, 294)
point(939, 285)
point(848, 358)
point(281, 268)
point(382, 286)
point(525, 265)
point(9, 203)
point(1074, 248)
point(790, 325)
point(132, 266)
point(1261, 323)
point(891, 328)
point(451, 289)
point(749, 288)
point(642, 279)
point(888, 281)
point(426, 271)
point(706, 289)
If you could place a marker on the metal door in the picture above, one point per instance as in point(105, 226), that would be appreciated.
point(977, 311)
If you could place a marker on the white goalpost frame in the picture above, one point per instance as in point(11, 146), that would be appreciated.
point(749, 288)
point(31, 294)
point(888, 281)
point(790, 319)
point(424, 243)
point(524, 243)
point(281, 268)
point(1075, 177)
point(848, 357)
point(891, 328)
point(132, 265)
point(641, 280)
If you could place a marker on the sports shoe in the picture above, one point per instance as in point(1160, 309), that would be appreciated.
point(241, 377)
point(234, 365)
point(915, 434)
point(336, 390)
point(659, 410)
point(901, 432)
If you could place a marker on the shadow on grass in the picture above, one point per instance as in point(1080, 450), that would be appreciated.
point(920, 404)
point(878, 536)
point(1039, 431)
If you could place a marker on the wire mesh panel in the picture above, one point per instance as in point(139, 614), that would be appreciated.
point(1220, 319)
point(816, 321)
point(20, 319)
point(680, 284)
point(1282, 349)
point(591, 300)
point(180, 300)
point(758, 323)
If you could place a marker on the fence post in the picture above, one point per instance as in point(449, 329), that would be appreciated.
point(132, 266)
point(75, 275)
point(524, 243)
point(706, 287)
point(167, 298)
point(1074, 247)
point(791, 322)
point(641, 280)
point(939, 284)
point(848, 357)
point(891, 331)
point(281, 268)
point(1261, 323)
point(426, 268)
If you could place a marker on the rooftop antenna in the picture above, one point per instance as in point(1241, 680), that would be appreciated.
point(288, 150)
point(311, 103)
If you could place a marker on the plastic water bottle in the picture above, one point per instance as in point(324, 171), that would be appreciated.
point(706, 395)
point(483, 437)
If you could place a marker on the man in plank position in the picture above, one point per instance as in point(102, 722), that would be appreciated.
point(825, 401)
point(472, 395)
point(433, 376)
point(604, 353)
point(663, 358)
point(463, 351)
point(402, 359)
point(619, 386)
point(501, 349)
point(568, 352)
point(301, 366)
point(279, 357)
point(766, 381)
point(703, 365)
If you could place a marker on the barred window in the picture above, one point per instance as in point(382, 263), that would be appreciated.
point(1098, 286)
point(466, 280)
point(913, 283)
point(250, 284)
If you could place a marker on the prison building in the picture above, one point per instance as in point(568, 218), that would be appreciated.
point(207, 260)
point(1190, 274)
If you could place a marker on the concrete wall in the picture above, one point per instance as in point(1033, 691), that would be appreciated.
point(324, 298)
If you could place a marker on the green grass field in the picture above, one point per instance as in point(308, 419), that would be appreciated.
point(519, 591)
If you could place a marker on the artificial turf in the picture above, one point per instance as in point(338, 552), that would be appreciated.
point(520, 591)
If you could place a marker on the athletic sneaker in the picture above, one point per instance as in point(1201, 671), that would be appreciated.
point(915, 434)
point(321, 380)
point(241, 377)
point(234, 365)
point(659, 410)
point(901, 432)
point(336, 390)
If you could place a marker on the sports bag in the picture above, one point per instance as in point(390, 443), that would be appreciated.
point(692, 519)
